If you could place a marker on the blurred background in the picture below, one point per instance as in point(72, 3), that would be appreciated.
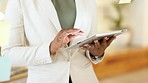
point(126, 60)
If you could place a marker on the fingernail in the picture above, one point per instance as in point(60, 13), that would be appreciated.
point(77, 28)
point(82, 47)
point(105, 38)
point(96, 41)
point(81, 31)
point(85, 45)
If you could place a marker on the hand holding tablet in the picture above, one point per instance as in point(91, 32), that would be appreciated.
point(96, 36)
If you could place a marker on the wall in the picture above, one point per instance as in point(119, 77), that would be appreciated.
point(138, 18)
point(135, 18)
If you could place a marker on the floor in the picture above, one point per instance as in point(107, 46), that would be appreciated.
point(140, 76)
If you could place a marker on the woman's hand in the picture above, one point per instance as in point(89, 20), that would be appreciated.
point(98, 47)
point(63, 38)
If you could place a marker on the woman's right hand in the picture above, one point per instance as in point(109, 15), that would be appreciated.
point(63, 38)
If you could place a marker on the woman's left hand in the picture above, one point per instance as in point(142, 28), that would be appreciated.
point(98, 47)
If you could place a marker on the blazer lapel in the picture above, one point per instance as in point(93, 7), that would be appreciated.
point(83, 19)
point(49, 9)
point(84, 16)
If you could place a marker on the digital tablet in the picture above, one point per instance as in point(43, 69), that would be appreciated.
point(96, 36)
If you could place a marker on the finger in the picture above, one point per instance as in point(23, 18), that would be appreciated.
point(72, 31)
point(72, 34)
point(71, 37)
point(67, 38)
point(64, 44)
point(89, 46)
point(75, 33)
point(60, 38)
point(69, 30)
point(104, 40)
point(83, 48)
point(78, 34)
point(110, 40)
point(97, 44)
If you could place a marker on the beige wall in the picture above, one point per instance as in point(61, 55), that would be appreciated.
point(146, 23)
point(138, 21)
point(135, 18)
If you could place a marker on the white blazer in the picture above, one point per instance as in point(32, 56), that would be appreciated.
point(34, 24)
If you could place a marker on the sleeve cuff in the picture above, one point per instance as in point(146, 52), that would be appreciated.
point(43, 55)
point(94, 60)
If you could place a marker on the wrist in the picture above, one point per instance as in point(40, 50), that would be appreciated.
point(96, 56)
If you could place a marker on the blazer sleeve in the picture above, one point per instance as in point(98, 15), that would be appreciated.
point(19, 53)
point(94, 30)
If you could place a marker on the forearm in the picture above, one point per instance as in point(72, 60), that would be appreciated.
point(32, 55)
